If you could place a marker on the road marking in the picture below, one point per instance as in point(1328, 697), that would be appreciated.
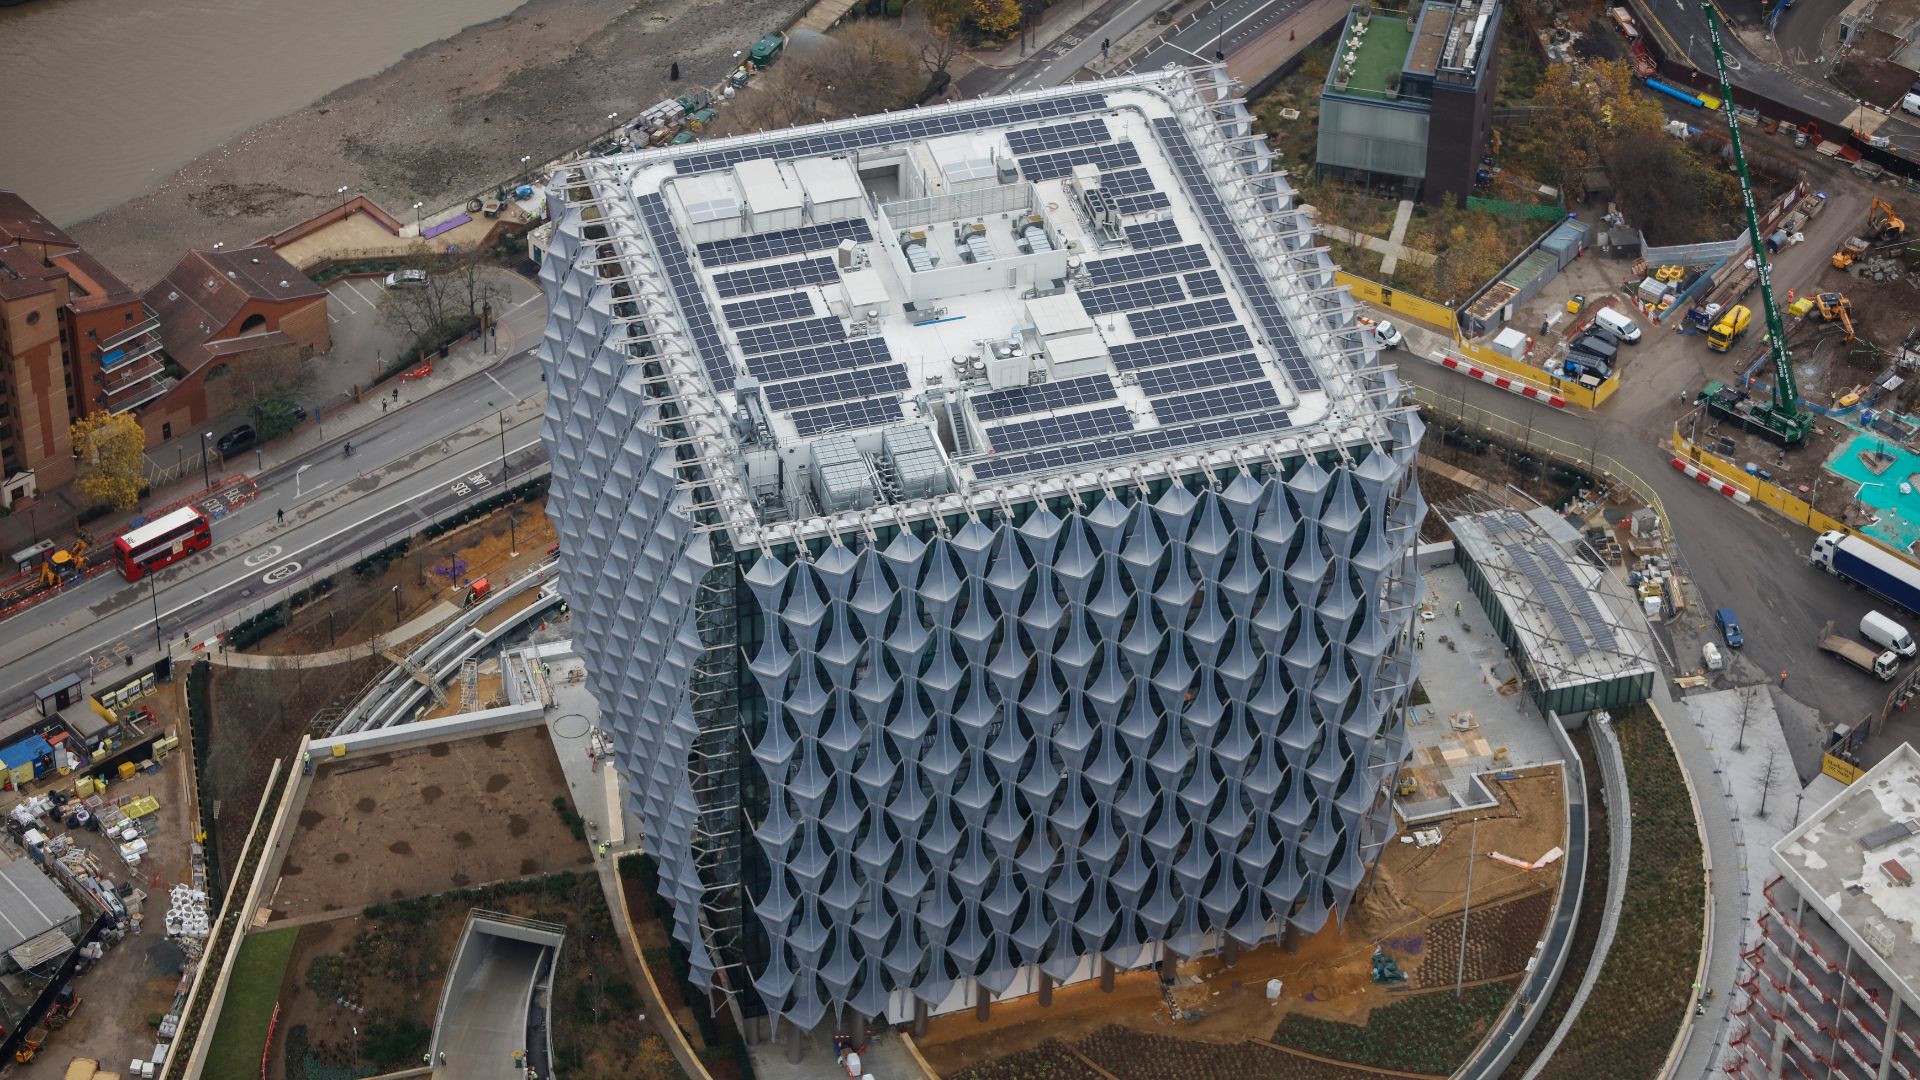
point(371, 304)
point(525, 302)
point(280, 573)
point(498, 383)
point(263, 555)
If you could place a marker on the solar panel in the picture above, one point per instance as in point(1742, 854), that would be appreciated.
point(838, 386)
point(672, 256)
point(814, 142)
point(846, 415)
point(1597, 625)
point(774, 245)
point(1054, 395)
point(1062, 162)
point(1077, 133)
point(1152, 234)
point(1543, 591)
point(1171, 350)
point(1179, 378)
point(1219, 401)
point(1132, 294)
point(1066, 428)
point(1240, 260)
point(1204, 283)
point(1146, 264)
point(1146, 441)
point(768, 309)
point(1126, 181)
point(759, 279)
point(792, 335)
point(1143, 203)
point(1172, 320)
point(815, 359)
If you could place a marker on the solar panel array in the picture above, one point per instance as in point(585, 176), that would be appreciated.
point(847, 415)
point(1204, 283)
point(815, 359)
point(759, 279)
point(1146, 264)
point(838, 386)
point(1583, 603)
point(1066, 428)
point(1126, 181)
point(792, 335)
point(888, 133)
point(1143, 203)
point(1153, 234)
point(1061, 163)
point(1132, 294)
point(1543, 592)
point(1179, 378)
point(1054, 395)
point(1172, 350)
point(774, 245)
point(768, 309)
point(1219, 401)
point(1172, 320)
point(1059, 136)
point(1240, 261)
point(686, 290)
point(1159, 440)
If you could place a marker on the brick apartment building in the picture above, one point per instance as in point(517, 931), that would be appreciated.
point(215, 309)
point(74, 339)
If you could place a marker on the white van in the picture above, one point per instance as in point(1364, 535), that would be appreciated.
point(1619, 324)
point(1887, 634)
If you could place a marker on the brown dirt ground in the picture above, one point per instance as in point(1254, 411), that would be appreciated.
point(420, 822)
point(1409, 900)
point(362, 608)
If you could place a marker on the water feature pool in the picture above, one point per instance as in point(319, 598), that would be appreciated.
point(1899, 514)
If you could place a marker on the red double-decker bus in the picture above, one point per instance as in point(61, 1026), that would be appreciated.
point(171, 536)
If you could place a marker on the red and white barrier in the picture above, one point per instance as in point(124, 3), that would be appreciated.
point(1501, 379)
point(1710, 480)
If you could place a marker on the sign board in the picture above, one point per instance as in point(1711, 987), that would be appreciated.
point(1843, 771)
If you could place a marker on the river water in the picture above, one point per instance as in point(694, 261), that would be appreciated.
point(100, 100)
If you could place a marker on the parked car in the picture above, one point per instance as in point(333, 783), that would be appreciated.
point(1388, 335)
point(1729, 627)
point(406, 279)
point(236, 440)
point(1911, 103)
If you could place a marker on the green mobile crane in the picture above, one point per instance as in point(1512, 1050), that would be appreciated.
point(1782, 419)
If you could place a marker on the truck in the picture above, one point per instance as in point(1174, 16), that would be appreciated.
point(1880, 663)
point(1869, 566)
point(1731, 328)
point(1731, 288)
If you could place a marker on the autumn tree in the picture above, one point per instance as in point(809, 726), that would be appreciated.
point(995, 19)
point(110, 453)
point(866, 68)
point(1593, 105)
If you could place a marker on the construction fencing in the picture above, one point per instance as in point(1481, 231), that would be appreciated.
point(1438, 316)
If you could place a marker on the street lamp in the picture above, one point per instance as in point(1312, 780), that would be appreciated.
point(613, 116)
point(396, 605)
point(416, 215)
point(218, 244)
point(513, 534)
point(153, 591)
point(502, 415)
point(206, 472)
point(342, 192)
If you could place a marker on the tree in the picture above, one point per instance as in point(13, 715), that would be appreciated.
point(945, 16)
point(443, 305)
point(268, 383)
point(110, 452)
point(1593, 104)
point(997, 19)
point(864, 69)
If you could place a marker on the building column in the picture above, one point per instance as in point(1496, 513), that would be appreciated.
point(1886, 1044)
point(1230, 953)
point(919, 1019)
point(794, 1046)
point(859, 1027)
point(1290, 940)
point(1106, 975)
point(982, 1002)
point(1046, 990)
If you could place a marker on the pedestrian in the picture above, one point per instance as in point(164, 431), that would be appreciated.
point(383, 405)
point(673, 73)
point(1403, 635)
point(280, 516)
point(1420, 642)
point(1783, 679)
point(1456, 607)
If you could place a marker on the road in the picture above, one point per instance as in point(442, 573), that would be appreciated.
point(1216, 33)
point(1063, 59)
point(406, 466)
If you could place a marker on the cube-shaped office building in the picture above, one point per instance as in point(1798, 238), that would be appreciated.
point(989, 532)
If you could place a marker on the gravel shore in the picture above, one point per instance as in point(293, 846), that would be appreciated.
point(450, 119)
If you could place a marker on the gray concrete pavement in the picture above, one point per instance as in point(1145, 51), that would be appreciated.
point(486, 1018)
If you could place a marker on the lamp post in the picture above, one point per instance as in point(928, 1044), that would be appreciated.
point(206, 472)
point(513, 535)
point(396, 606)
point(416, 216)
point(153, 591)
point(218, 244)
point(342, 192)
point(332, 638)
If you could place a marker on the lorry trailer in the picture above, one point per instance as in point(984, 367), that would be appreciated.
point(1869, 566)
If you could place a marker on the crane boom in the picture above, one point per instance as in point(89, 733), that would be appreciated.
point(1785, 421)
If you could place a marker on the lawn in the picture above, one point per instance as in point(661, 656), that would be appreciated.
point(1636, 1008)
point(1431, 1033)
point(241, 1038)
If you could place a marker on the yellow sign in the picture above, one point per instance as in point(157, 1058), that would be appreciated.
point(1843, 771)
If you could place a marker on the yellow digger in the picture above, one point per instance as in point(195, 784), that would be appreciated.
point(64, 565)
point(1835, 307)
point(1883, 226)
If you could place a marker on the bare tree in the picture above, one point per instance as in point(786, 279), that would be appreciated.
point(1746, 714)
point(1766, 784)
point(268, 383)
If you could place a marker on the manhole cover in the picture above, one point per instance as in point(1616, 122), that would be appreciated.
point(570, 726)
point(246, 592)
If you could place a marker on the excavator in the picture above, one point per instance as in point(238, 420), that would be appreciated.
point(1835, 307)
point(1883, 227)
point(64, 565)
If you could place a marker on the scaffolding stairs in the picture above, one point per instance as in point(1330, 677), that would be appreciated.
point(418, 674)
point(469, 683)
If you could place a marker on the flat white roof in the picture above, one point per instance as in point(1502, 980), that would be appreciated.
point(764, 188)
point(1838, 860)
point(1192, 338)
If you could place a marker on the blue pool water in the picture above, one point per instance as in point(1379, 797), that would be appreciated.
point(1899, 522)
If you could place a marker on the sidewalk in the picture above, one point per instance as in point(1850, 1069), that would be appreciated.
point(395, 638)
point(54, 514)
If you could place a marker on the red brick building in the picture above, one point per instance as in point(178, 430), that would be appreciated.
point(74, 339)
point(215, 309)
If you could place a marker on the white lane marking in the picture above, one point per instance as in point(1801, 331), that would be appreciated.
point(280, 573)
point(263, 555)
point(525, 302)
